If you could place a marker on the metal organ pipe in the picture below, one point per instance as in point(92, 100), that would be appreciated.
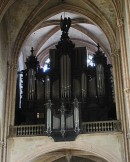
point(48, 106)
point(100, 80)
point(76, 114)
point(62, 85)
point(65, 77)
point(31, 84)
point(68, 76)
point(84, 84)
point(62, 110)
point(47, 87)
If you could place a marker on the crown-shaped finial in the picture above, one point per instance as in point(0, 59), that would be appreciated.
point(98, 46)
point(32, 50)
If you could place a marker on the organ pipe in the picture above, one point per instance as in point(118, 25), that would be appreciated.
point(65, 76)
point(84, 84)
point(62, 110)
point(62, 77)
point(100, 80)
point(49, 116)
point(31, 84)
point(76, 114)
point(47, 87)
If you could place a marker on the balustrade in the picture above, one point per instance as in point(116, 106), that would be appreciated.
point(101, 126)
point(87, 127)
point(27, 130)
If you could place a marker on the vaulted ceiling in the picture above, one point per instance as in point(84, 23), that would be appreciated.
point(82, 33)
point(37, 24)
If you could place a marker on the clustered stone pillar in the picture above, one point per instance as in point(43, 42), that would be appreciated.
point(1, 150)
point(117, 82)
point(127, 13)
point(10, 105)
point(125, 71)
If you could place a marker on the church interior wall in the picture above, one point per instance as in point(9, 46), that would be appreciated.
point(3, 71)
point(34, 149)
point(30, 149)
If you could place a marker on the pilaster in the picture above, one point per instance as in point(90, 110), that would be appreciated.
point(127, 14)
point(10, 103)
point(125, 69)
point(1, 149)
point(114, 56)
point(125, 73)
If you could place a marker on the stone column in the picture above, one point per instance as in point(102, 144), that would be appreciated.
point(10, 104)
point(127, 13)
point(117, 82)
point(11, 92)
point(1, 150)
point(125, 71)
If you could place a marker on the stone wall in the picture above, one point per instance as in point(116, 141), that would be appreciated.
point(3, 71)
point(41, 148)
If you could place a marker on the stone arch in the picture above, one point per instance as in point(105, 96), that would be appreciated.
point(4, 7)
point(89, 149)
point(98, 20)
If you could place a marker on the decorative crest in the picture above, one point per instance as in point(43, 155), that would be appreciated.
point(98, 46)
point(32, 50)
point(65, 24)
point(31, 61)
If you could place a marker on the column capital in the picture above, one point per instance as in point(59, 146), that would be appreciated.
point(2, 144)
point(127, 90)
point(128, 134)
point(120, 22)
point(115, 53)
point(11, 65)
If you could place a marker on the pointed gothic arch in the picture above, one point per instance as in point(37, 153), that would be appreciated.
point(85, 148)
point(30, 25)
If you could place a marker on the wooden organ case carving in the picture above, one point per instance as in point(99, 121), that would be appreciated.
point(70, 92)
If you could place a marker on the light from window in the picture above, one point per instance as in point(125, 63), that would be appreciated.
point(90, 60)
point(46, 65)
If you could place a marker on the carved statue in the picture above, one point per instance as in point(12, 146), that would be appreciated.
point(65, 24)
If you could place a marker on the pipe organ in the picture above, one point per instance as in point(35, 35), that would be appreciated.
point(69, 93)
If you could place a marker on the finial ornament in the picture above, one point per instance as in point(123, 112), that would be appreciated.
point(98, 46)
point(65, 24)
point(32, 50)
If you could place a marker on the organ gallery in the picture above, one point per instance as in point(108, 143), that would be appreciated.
point(69, 93)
